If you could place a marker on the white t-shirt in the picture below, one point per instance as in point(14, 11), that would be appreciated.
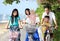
point(51, 15)
point(29, 21)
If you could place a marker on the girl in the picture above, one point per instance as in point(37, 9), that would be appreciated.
point(33, 20)
point(14, 25)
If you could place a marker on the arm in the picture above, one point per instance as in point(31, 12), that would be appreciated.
point(37, 21)
point(7, 25)
point(20, 24)
point(55, 22)
point(42, 18)
point(42, 21)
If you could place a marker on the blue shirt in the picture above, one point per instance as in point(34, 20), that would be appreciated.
point(15, 21)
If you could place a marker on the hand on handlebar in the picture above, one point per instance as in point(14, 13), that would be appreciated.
point(20, 27)
point(56, 27)
point(7, 28)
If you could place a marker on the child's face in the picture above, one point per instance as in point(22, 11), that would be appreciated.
point(15, 13)
point(46, 20)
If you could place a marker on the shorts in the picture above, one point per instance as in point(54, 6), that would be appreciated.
point(45, 33)
point(14, 32)
point(14, 28)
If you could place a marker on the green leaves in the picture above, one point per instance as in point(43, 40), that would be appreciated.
point(40, 11)
point(11, 1)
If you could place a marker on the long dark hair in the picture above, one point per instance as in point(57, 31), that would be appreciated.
point(27, 9)
point(12, 16)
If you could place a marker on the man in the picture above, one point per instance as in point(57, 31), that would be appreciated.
point(52, 18)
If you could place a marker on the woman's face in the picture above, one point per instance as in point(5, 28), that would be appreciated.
point(15, 13)
point(27, 12)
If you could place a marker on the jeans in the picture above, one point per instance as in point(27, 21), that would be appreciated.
point(35, 36)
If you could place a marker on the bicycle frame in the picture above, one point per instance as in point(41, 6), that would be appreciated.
point(30, 37)
point(31, 30)
point(48, 38)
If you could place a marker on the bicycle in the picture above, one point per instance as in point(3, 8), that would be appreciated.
point(31, 29)
point(15, 35)
point(48, 37)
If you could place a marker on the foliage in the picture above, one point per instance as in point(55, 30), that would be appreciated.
point(49, 1)
point(40, 10)
point(10, 1)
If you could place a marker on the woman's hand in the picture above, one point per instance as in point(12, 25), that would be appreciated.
point(21, 27)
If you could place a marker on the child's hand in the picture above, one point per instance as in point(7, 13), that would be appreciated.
point(7, 27)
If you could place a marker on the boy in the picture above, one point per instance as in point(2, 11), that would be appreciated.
point(45, 26)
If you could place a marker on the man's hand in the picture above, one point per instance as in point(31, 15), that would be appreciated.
point(56, 27)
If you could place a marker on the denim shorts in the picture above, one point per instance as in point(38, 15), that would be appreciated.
point(14, 28)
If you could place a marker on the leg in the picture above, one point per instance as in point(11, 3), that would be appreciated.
point(36, 36)
point(18, 36)
point(45, 34)
point(26, 37)
point(10, 35)
point(41, 37)
point(51, 35)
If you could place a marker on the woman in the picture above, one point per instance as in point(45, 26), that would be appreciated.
point(32, 19)
point(14, 25)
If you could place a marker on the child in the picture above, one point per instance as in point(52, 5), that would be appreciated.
point(45, 25)
point(14, 25)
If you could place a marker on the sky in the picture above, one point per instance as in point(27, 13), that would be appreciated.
point(6, 10)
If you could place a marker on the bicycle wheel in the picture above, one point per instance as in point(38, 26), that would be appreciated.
point(48, 37)
point(30, 38)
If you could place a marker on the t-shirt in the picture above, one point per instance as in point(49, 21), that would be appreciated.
point(15, 22)
point(44, 28)
point(51, 15)
point(29, 21)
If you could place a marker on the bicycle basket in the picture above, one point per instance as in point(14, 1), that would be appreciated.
point(30, 28)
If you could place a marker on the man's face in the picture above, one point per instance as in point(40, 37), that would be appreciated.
point(47, 10)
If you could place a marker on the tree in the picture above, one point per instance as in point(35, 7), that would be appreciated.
point(49, 1)
point(11, 1)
